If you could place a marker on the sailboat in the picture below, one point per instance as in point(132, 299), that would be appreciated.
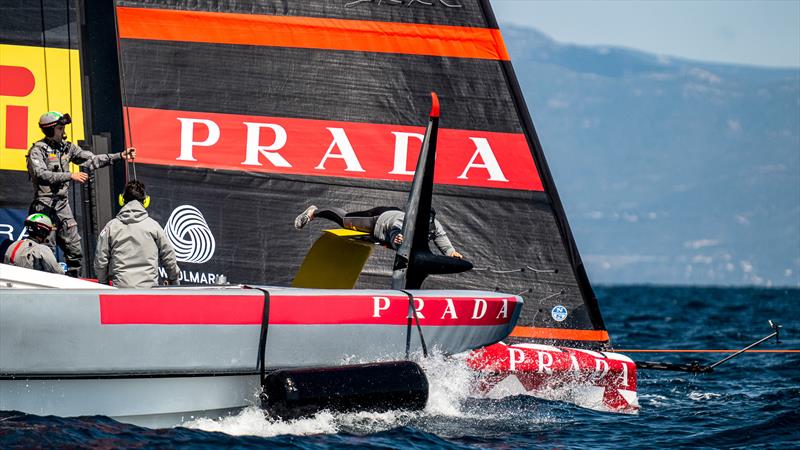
point(242, 115)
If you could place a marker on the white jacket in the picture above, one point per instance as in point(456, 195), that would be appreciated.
point(130, 248)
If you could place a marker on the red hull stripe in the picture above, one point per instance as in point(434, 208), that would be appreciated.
point(330, 148)
point(117, 309)
point(561, 333)
point(309, 32)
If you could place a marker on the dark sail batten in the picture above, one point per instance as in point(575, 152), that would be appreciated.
point(13, 192)
point(40, 23)
point(348, 86)
point(467, 193)
point(462, 13)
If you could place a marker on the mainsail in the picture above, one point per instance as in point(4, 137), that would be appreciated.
point(244, 113)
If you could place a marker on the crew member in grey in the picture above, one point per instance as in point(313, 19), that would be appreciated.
point(30, 252)
point(385, 223)
point(132, 245)
point(48, 166)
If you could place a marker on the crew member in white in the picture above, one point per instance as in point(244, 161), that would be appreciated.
point(31, 252)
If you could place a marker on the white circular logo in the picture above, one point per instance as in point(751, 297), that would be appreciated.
point(189, 234)
point(559, 313)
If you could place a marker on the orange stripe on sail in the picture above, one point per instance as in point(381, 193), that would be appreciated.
point(309, 32)
point(560, 333)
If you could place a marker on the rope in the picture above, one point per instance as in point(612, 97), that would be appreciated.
point(73, 191)
point(69, 65)
point(44, 52)
point(666, 350)
point(127, 128)
point(413, 311)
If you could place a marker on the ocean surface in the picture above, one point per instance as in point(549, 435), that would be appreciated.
point(753, 401)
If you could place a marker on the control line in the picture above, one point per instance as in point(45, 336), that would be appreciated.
point(640, 350)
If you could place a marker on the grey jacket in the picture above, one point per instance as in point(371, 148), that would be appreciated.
point(48, 167)
point(30, 254)
point(394, 220)
point(130, 248)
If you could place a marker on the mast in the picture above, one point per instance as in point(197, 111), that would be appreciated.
point(103, 116)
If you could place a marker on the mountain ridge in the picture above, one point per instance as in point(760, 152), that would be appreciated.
point(671, 171)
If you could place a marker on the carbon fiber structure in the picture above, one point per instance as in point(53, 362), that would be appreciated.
point(518, 239)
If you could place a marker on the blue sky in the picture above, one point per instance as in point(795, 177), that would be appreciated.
point(765, 32)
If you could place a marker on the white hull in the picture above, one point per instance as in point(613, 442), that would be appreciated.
point(150, 402)
point(159, 357)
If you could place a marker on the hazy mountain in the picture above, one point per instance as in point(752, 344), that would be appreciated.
point(670, 170)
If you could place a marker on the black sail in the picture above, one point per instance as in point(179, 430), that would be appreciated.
point(244, 113)
point(39, 72)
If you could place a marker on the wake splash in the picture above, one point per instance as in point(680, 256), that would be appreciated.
point(451, 399)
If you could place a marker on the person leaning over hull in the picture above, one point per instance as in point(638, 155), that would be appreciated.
point(48, 166)
point(30, 252)
point(132, 245)
point(384, 223)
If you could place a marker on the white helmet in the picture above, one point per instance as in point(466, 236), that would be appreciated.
point(53, 118)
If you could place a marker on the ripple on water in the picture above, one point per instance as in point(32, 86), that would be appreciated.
point(751, 402)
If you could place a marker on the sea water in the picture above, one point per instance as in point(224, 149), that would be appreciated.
point(753, 401)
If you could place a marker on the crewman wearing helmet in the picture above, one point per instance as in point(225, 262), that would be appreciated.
point(384, 223)
point(48, 166)
point(30, 252)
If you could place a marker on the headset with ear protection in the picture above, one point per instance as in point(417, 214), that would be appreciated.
point(145, 203)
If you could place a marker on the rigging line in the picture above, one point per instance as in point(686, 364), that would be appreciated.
point(73, 192)
point(44, 52)
point(261, 363)
point(69, 66)
point(662, 350)
point(124, 92)
point(413, 310)
point(696, 367)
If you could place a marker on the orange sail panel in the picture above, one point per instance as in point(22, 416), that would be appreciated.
point(311, 32)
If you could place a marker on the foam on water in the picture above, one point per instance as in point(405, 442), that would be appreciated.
point(654, 400)
point(698, 396)
point(751, 402)
point(450, 383)
point(252, 421)
point(450, 386)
